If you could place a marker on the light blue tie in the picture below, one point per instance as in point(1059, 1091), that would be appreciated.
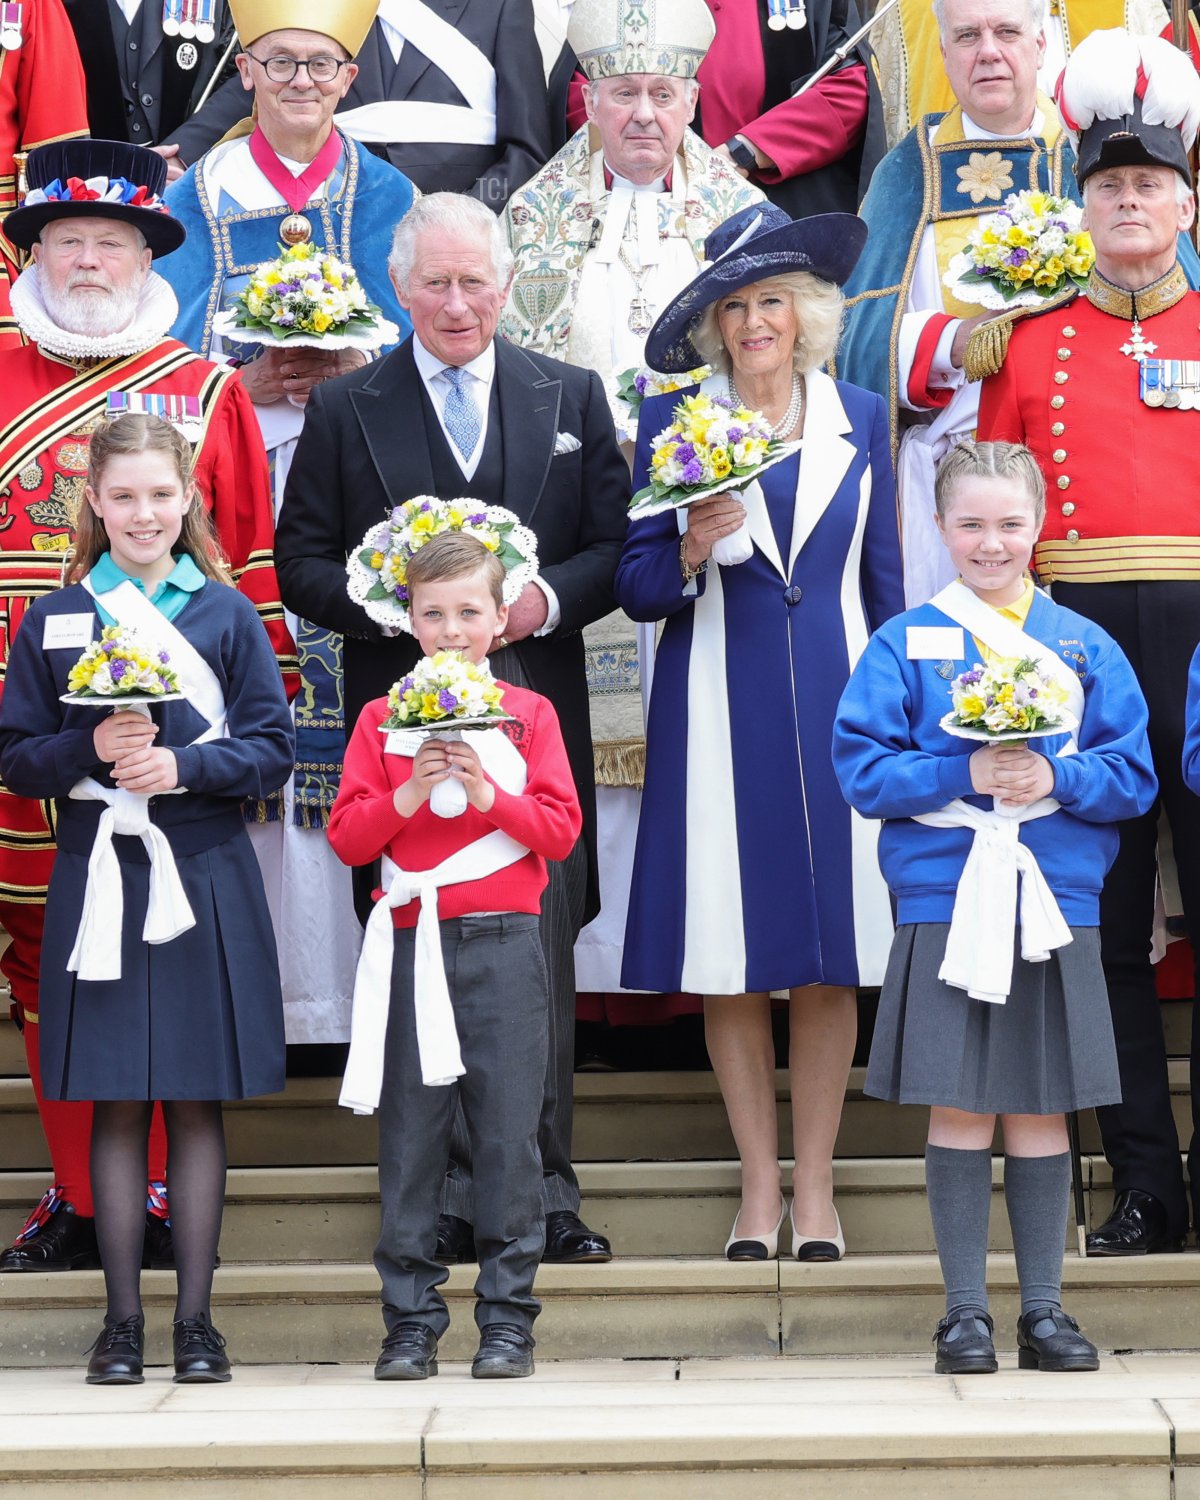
point(462, 415)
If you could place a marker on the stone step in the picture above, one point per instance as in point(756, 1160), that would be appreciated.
point(311, 1214)
point(618, 1117)
point(630, 1309)
point(827, 1429)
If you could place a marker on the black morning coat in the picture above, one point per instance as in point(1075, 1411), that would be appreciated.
point(503, 31)
point(365, 448)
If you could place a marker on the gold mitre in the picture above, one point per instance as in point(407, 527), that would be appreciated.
point(663, 37)
point(346, 21)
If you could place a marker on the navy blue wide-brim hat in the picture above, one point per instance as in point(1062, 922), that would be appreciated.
point(99, 180)
point(756, 244)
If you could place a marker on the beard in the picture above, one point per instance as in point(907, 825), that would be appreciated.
point(92, 314)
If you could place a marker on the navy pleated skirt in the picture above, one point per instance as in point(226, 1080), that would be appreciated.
point(200, 1017)
point(1048, 1050)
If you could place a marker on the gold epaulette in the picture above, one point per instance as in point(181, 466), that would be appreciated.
point(988, 344)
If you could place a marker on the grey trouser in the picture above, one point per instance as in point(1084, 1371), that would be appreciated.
point(498, 987)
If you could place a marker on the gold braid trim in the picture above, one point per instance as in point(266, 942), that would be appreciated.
point(620, 763)
point(987, 345)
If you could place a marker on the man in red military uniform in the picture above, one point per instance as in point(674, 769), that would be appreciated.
point(1097, 386)
point(43, 98)
point(96, 316)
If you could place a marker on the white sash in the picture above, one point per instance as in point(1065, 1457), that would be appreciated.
point(978, 955)
point(97, 952)
point(437, 1035)
point(467, 68)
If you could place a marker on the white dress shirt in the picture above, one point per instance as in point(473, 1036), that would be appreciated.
point(482, 372)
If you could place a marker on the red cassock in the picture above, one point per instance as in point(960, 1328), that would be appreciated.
point(1120, 506)
point(43, 98)
point(48, 409)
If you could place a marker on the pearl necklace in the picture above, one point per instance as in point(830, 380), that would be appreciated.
point(790, 417)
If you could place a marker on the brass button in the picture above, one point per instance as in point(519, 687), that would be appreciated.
point(1068, 332)
point(1064, 354)
point(1057, 429)
point(1058, 402)
point(1060, 377)
point(1068, 508)
point(1072, 535)
point(1059, 455)
point(1064, 481)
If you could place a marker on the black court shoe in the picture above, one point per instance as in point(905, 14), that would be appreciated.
point(117, 1353)
point(200, 1356)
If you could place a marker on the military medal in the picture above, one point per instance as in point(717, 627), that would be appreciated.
point(1137, 346)
point(10, 27)
point(187, 23)
point(786, 13)
point(206, 29)
point(170, 17)
point(186, 56)
point(183, 412)
point(1170, 383)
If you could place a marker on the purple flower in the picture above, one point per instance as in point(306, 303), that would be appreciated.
point(406, 684)
point(736, 434)
point(1018, 257)
point(447, 700)
point(693, 472)
point(968, 679)
point(639, 384)
point(401, 593)
point(164, 656)
point(109, 647)
point(684, 453)
point(478, 519)
point(118, 669)
point(723, 401)
point(164, 684)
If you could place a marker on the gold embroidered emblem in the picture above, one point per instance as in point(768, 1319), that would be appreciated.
point(31, 476)
point(986, 176)
point(66, 496)
point(53, 511)
point(72, 456)
point(540, 292)
point(51, 543)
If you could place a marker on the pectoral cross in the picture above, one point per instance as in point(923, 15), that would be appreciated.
point(1137, 347)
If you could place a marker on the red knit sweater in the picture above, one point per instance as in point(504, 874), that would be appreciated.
point(545, 818)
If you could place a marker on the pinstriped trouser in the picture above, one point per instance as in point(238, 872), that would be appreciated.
point(562, 917)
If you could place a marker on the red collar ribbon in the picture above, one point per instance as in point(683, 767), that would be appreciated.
point(295, 191)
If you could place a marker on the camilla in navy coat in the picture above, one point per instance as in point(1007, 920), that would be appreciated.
point(199, 1017)
point(751, 873)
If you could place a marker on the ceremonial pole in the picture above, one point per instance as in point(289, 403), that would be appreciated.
point(840, 54)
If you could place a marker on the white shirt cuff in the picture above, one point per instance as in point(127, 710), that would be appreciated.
point(553, 612)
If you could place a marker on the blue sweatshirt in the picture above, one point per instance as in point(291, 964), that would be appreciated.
point(893, 760)
point(1191, 733)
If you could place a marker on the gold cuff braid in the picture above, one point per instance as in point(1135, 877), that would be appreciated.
point(986, 347)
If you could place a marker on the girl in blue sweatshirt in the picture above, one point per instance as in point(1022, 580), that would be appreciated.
point(994, 1001)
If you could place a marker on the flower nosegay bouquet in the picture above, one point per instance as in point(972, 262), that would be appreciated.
point(711, 446)
point(444, 694)
point(377, 570)
point(1030, 249)
point(631, 387)
point(123, 669)
point(306, 297)
point(1010, 699)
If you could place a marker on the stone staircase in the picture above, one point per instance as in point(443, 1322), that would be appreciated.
point(669, 1369)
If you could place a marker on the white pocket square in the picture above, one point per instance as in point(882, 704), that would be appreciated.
point(566, 442)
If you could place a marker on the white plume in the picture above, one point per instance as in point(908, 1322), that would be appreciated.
point(1101, 82)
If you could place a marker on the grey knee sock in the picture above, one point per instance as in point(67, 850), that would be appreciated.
point(1036, 1191)
point(959, 1187)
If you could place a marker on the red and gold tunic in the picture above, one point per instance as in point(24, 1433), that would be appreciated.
point(48, 408)
point(1120, 505)
point(43, 98)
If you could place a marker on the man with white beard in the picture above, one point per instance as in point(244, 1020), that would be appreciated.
point(97, 316)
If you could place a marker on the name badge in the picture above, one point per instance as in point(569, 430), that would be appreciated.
point(403, 742)
point(63, 631)
point(934, 642)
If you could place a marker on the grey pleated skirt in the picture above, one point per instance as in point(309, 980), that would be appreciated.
point(1048, 1050)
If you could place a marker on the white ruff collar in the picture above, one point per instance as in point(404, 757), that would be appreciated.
point(157, 310)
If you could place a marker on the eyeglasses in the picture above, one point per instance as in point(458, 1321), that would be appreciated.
point(321, 69)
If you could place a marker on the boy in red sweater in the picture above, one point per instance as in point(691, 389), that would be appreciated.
point(482, 874)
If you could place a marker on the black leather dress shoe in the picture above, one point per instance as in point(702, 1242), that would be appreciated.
point(1137, 1225)
point(964, 1343)
point(200, 1356)
point(409, 1353)
point(570, 1242)
point(455, 1241)
point(158, 1248)
point(117, 1353)
point(65, 1242)
point(505, 1353)
point(1047, 1339)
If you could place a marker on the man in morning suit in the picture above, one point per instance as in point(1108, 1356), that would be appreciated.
point(456, 412)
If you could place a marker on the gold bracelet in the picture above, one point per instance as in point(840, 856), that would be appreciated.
point(689, 573)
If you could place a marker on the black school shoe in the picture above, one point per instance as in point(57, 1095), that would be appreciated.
point(964, 1343)
point(409, 1353)
point(505, 1353)
point(1047, 1339)
point(63, 1240)
point(455, 1241)
point(200, 1356)
point(117, 1353)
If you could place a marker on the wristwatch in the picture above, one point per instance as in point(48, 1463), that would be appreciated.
point(742, 154)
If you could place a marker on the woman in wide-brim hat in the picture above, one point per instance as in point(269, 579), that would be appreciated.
point(751, 874)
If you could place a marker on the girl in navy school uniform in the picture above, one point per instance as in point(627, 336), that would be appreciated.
point(199, 1018)
point(1047, 1047)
